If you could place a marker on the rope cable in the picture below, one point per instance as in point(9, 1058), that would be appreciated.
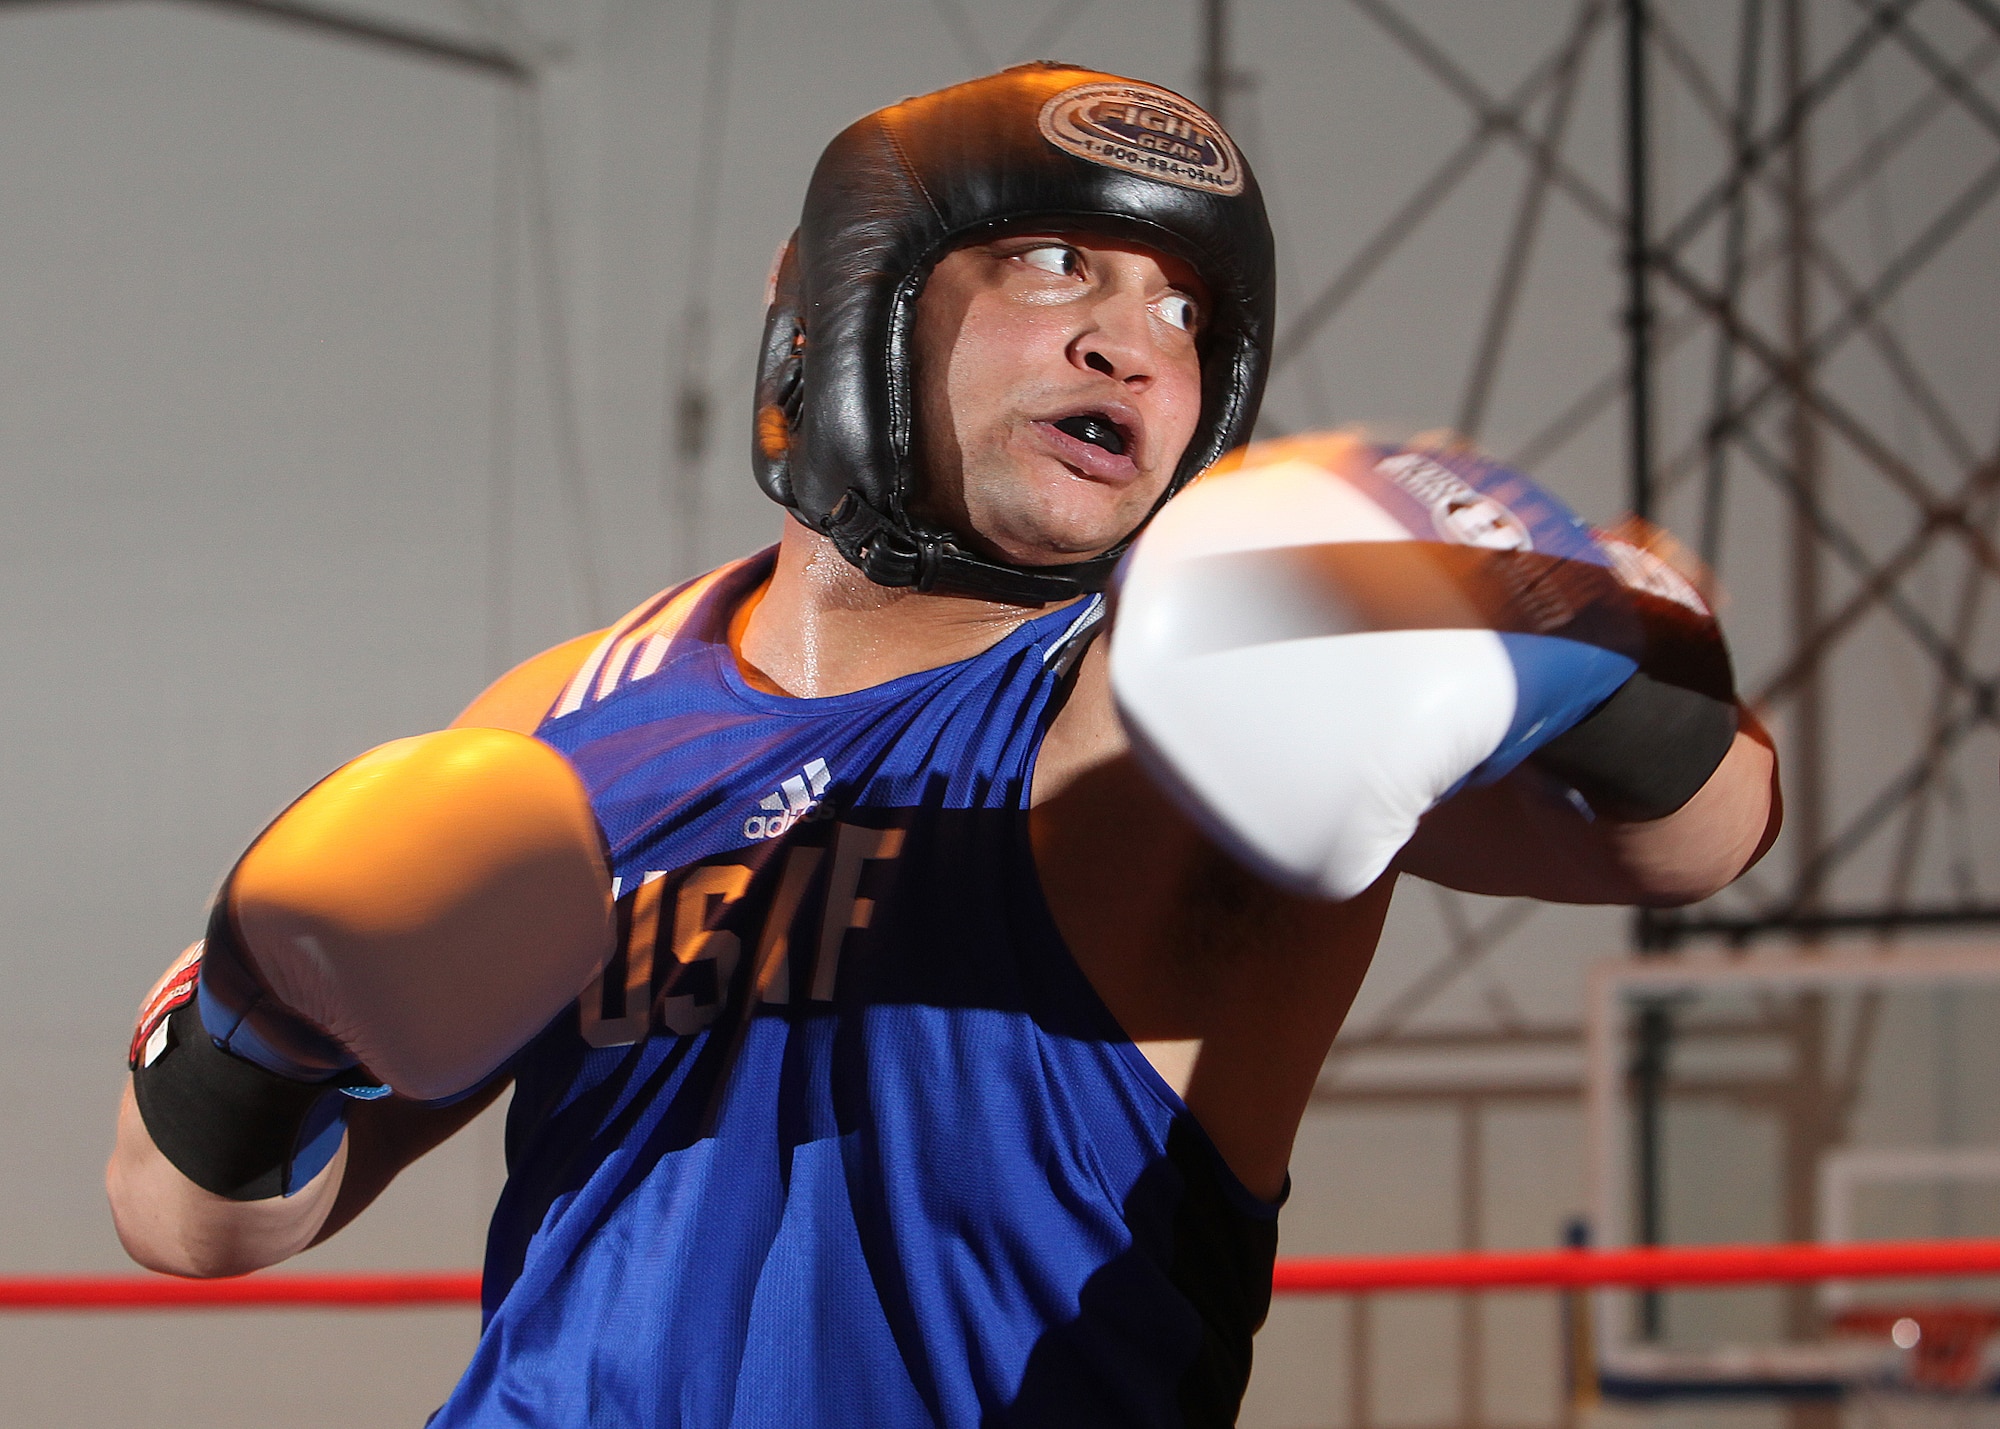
point(501, 435)
point(689, 406)
point(535, 202)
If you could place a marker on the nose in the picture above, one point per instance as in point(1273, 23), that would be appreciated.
point(1116, 340)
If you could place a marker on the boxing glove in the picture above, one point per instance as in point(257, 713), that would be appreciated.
point(408, 924)
point(1322, 638)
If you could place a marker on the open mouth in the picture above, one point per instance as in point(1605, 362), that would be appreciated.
point(1095, 428)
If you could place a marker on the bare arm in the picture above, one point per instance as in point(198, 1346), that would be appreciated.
point(168, 1223)
point(1523, 837)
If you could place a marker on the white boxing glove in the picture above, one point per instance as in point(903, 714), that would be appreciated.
point(1321, 638)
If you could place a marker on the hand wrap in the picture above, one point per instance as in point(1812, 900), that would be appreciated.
point(1648, 749)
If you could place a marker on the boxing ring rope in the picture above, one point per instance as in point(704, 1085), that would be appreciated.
point(1651, 1267)
point(299, 1292)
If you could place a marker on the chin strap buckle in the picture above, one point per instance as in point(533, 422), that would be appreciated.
point(930, 557)
point(890, 556)
point(890, 559)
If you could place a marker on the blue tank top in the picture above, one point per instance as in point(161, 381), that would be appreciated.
point(842, 1135)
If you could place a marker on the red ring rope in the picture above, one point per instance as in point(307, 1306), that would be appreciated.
point(1652, 1266)
point(1476, 1270)
point(152, 1292)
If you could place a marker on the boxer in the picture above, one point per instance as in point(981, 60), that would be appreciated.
point(958, 953)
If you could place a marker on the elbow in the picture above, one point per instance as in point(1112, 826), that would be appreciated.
point(164, 1257)
point(1718, 835)
point(149, 1234)
point(1679, 882)
point(155, 1228)
point(175, 1234)
point(168, 1224)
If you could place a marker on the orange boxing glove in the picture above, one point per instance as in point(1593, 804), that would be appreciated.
point(427, 907)
point(412, 920)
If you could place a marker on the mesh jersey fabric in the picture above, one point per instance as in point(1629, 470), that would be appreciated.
point(842, 1135)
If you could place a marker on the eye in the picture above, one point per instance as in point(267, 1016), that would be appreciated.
point(1057, 258)
point(1179, 310)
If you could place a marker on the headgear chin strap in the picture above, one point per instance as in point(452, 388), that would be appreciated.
point(893, 193)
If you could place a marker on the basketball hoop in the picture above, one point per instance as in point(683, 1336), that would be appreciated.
point(1945, 1344)
point(1904, 1356)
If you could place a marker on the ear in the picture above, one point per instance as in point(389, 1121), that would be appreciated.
point(780, 378)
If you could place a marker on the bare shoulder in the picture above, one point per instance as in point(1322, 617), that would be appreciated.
point(520, 698)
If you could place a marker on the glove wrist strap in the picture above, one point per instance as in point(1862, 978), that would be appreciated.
point(228, 1125)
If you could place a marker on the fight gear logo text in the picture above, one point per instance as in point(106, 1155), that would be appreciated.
point(1461, 513)
point(1146, 131)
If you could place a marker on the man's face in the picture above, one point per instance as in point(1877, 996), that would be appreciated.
point(1057, 386)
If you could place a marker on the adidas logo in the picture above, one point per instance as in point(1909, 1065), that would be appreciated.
point(797, 798)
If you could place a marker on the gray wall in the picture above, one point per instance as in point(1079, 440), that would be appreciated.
point(321, 401)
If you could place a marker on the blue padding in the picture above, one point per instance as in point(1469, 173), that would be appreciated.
point(1557, 682)
point(237, 1035)
point(319, 1138)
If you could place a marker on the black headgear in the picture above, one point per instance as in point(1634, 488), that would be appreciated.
point(1039, 143)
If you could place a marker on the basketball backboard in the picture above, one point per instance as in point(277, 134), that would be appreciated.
point(1792, 1096)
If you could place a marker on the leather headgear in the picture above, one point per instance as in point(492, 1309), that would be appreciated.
point(1038, 145)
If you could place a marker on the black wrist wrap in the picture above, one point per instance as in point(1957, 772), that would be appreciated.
point(226, 1124)
point(1648, 749)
